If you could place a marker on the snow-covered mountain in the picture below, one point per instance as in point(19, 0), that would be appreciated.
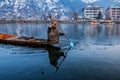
point(33, 9)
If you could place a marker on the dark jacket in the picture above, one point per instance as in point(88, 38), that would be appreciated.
point(54, 34)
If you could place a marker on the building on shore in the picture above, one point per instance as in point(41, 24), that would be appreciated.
point(113, 13)
point(92, 12)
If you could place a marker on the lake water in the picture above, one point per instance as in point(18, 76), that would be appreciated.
point(95, 56)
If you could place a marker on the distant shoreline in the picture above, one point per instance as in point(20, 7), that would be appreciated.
point(60, 21)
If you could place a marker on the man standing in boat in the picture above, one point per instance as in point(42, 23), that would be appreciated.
point(54, 33)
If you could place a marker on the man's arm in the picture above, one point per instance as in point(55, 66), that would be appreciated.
point(49, 29)
point(60, 32)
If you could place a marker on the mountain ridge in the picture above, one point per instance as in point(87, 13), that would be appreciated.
point(33, 9)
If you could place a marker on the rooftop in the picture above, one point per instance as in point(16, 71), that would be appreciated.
point(93, 6)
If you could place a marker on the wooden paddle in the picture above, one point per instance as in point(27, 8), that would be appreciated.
point(70, 43)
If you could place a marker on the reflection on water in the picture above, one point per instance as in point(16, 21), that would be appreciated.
point(94, 57)
point(74, 31)
point(21, 58)
point(36, 30)
point(55, 54)
point(93, 33)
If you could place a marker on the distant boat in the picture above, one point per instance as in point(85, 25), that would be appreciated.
point(24, 41)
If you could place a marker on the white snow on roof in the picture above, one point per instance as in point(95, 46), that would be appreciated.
point(93, 6)
point(48, 1)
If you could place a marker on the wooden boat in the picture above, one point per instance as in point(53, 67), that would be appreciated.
point(23, 41)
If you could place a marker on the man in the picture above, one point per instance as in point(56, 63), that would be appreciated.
point(54, 33)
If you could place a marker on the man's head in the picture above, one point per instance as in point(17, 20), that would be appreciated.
point(54, 24)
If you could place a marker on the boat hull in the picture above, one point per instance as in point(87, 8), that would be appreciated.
point(24, 41)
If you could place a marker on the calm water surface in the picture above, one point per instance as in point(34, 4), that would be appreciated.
point(95, 56)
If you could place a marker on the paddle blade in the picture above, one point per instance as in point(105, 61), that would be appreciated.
point(71, 44)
